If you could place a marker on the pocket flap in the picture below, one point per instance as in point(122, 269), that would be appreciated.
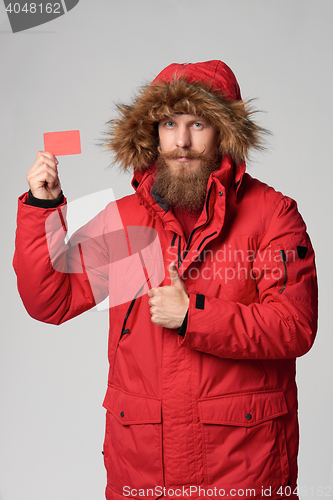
point(132, 408)
point(243, 409)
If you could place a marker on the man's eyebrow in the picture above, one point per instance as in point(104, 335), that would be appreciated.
point(199, 119)
point(195, 120)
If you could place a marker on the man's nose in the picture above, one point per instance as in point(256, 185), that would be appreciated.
point(183, 137)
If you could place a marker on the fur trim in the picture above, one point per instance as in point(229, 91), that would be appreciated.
point(133, 136)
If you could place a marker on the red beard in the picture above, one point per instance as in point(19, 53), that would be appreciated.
point(184, 189)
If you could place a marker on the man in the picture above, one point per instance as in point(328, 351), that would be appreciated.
point(201, 398)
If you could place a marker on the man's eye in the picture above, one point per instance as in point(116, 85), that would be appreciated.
point(197, 125)
point(169, 124)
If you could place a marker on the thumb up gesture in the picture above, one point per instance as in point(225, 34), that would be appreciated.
point(169, 304)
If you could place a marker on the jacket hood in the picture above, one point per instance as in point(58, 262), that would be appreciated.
point(206, 89)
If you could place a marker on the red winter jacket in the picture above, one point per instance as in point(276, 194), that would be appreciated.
point(213, 407)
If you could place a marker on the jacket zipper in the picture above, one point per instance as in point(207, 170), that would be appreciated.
point(206, 238)
point(284, 259)
point(173, 240)
point(180, 259)
point(179, 251)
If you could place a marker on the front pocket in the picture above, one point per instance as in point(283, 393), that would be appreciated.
point(133, 441)
point(245, 440)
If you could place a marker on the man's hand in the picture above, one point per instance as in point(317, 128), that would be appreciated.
point(43, 177)
point(169, 304)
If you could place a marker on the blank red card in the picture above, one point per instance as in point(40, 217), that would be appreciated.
point(63, 143)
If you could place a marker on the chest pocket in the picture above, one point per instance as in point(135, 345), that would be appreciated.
point(224, 280)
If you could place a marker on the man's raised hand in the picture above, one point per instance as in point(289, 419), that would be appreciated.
point(43, 177)
point(169, 304)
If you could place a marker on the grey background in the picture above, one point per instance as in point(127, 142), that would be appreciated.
point(66, 75)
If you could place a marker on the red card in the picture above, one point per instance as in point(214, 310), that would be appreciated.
point(63, 143)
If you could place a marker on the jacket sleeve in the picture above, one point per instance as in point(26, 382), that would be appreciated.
point(283, 323)
point(57, 281)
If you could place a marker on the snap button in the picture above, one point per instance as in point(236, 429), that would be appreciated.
point(220, 193)
point(248, 416)
point(122, 414)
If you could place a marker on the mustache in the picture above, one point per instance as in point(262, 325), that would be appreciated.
point(180, 153)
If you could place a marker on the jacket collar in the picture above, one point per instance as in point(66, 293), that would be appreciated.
point(230, 175)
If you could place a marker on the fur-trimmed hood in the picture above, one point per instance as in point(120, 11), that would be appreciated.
point(207, 89)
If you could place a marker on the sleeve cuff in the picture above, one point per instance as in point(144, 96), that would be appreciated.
point(182, 329)
point(37, 202)
point(199, 304)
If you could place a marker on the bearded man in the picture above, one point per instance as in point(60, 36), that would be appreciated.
point(201, 398)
